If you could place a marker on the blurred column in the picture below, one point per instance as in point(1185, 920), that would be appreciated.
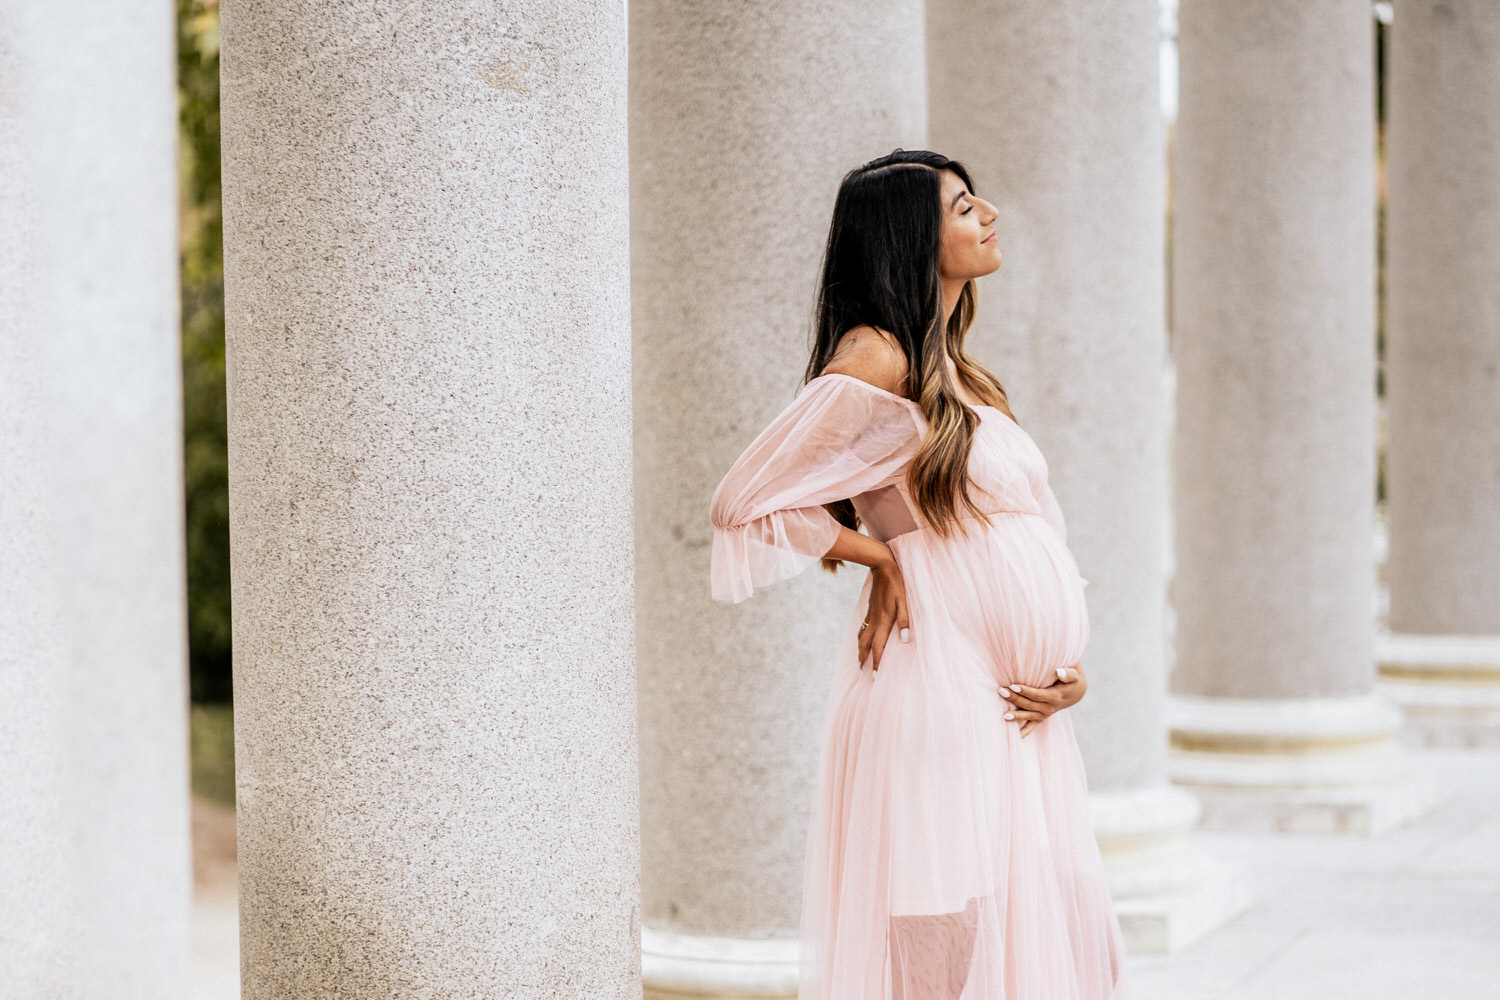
point(742, 123)
point(1058, 117)
point(1276, 722)
point(427, 299)
point(1440, 658)
point(95, 871)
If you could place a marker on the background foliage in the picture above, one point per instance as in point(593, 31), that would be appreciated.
point(206, 443)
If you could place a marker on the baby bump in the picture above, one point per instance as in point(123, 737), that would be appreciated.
point(1011, 590)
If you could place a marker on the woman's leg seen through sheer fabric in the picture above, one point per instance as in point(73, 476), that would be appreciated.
point(931, 954)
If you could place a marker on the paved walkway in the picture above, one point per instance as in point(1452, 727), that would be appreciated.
point(216, 927)
point(1413, 914)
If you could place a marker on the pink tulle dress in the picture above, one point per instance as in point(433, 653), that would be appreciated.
point(947, 857)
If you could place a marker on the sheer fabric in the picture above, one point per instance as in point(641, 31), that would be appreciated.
point(946, 857)
point(835, 441)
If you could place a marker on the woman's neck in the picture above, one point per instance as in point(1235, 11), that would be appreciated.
point(952, 289)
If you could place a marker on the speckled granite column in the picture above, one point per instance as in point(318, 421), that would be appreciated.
point(1058, 117)
point(742, 125)
point(1275, 719)
point(427, 282)
point(95, 871)
point(1440, 658)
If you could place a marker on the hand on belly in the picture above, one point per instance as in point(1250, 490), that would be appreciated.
point(1030, 706)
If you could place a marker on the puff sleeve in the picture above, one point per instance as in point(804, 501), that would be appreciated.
point(839, 438)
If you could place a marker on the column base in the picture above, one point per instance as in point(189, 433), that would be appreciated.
point(1300, 765)
point(1168, 892)
point(1448, 686)
point(689, 967)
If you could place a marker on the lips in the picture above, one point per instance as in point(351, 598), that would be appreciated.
point(990, 238)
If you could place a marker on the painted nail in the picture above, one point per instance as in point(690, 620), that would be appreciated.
point(1004, 693)
point(1010, 715)
point(1062, 672)
point(1015, 687)
point(906, 635)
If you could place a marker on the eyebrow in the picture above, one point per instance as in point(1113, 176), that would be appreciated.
point(960, 194)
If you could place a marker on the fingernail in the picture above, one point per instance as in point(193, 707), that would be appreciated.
point(1004, 693)
point(1062, 672)
point(1010, 715)
point(906, 635)
point(1015, 687)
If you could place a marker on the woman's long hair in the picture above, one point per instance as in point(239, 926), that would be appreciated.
point(880, 269)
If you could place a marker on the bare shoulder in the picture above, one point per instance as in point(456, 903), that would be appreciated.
point(870, 355)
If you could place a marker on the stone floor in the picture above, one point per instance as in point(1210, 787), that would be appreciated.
point(216, 945)
point(1413, 914)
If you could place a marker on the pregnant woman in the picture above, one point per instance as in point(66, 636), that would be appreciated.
point(950, 853)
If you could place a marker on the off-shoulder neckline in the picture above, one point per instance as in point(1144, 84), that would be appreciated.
point(871, 386)
point(901, 399)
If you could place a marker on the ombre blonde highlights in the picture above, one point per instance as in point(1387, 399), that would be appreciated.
point(938, 480)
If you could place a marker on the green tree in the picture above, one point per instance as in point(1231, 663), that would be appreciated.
point(205, 439)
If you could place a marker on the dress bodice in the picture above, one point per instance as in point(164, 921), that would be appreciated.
point(1005, 464)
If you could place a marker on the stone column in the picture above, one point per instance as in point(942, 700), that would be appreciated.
point(1276, 722)
point(427, 299)
point(741, 128)
point(1440, 656)
point(1058, 117)
point(95, 874)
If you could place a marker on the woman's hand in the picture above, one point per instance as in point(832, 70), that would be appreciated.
point(887, 610)
point(1032, 705)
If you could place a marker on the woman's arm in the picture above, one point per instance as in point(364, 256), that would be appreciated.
point(887, 609)
point(855, 546)
point(839, 438)
point(874, 357)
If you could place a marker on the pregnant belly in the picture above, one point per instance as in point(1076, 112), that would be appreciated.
point(1008, 598)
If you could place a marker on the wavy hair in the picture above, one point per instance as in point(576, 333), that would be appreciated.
point(880, 269)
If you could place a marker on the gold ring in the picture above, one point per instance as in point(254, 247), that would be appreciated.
point(863, 626)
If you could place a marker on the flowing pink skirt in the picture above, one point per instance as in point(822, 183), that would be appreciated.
point(947, 856)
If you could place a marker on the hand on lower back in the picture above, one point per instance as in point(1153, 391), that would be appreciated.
point(886, 612)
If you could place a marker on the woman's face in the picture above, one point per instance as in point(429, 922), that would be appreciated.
point(970, 246)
